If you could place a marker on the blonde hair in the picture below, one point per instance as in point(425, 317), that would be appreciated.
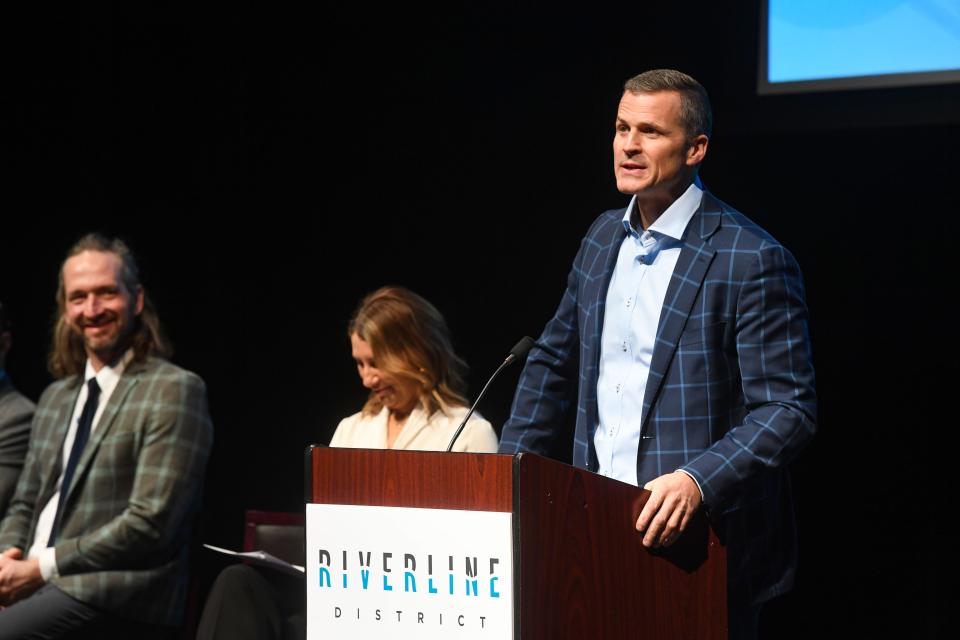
point(410, 340)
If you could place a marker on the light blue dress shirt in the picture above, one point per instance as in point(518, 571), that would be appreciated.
point(635, 297)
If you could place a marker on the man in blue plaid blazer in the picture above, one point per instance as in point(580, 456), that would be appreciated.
point(694, 380)
point(96, 540)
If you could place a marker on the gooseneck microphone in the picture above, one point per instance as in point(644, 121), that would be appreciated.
point(519, 351)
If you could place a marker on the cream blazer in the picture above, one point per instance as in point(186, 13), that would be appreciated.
point(421, 433)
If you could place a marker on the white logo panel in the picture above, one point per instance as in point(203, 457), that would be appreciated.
point(408, 573)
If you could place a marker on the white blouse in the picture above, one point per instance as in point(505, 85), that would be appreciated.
point(421, 432)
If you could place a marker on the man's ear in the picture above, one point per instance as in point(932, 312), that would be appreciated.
point(697, 150)
point(138, 302)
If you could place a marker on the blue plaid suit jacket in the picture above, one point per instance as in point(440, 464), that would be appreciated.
point(730, 396)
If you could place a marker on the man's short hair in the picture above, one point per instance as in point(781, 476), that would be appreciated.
point(695, 112)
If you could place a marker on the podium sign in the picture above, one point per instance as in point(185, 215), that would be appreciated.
point(396, 572)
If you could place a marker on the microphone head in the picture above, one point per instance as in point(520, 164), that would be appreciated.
point(521, 348)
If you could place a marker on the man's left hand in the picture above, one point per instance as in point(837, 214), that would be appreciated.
point(674, 499)
point(18, 578)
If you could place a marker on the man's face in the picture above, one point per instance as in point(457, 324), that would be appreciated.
point(99, 309)
point(652, 156)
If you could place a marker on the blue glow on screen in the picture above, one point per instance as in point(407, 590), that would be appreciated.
point(816, 39)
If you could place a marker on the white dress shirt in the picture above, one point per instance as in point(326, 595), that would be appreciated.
point(107, 379)
point(635, 297)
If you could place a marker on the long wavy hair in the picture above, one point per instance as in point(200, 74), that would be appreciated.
point(67, 355)
point(410, 341)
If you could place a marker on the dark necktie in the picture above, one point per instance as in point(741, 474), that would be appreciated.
point(79, 442)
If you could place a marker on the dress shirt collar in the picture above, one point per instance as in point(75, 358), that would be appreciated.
point(674, 220)
point(109, 375)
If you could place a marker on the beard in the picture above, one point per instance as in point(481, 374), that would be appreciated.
point(109, 343)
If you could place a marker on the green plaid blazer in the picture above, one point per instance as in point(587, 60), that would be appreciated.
point(126, 528)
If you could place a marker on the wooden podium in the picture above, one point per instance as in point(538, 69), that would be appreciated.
point(579, 570)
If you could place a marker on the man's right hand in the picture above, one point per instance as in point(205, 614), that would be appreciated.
point(18, 578)
point(674, 499)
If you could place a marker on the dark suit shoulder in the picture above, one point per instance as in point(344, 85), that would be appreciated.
point(163, 386)
point(733, 228)
point(162, 370)
point(58, 389)
point(606, 220)
point(16, 412)
point(13, 401)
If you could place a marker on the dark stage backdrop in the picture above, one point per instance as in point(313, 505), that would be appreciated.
point(270, 166)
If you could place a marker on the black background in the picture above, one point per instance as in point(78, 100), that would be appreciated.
point(271, 165)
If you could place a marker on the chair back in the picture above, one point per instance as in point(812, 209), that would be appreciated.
point(279, 533)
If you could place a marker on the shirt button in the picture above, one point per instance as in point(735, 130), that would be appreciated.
point(618, 388)
point(624, 345)
point(629, 301)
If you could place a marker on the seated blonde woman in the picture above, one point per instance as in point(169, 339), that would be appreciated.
point(404, 356)
point(403, 352)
